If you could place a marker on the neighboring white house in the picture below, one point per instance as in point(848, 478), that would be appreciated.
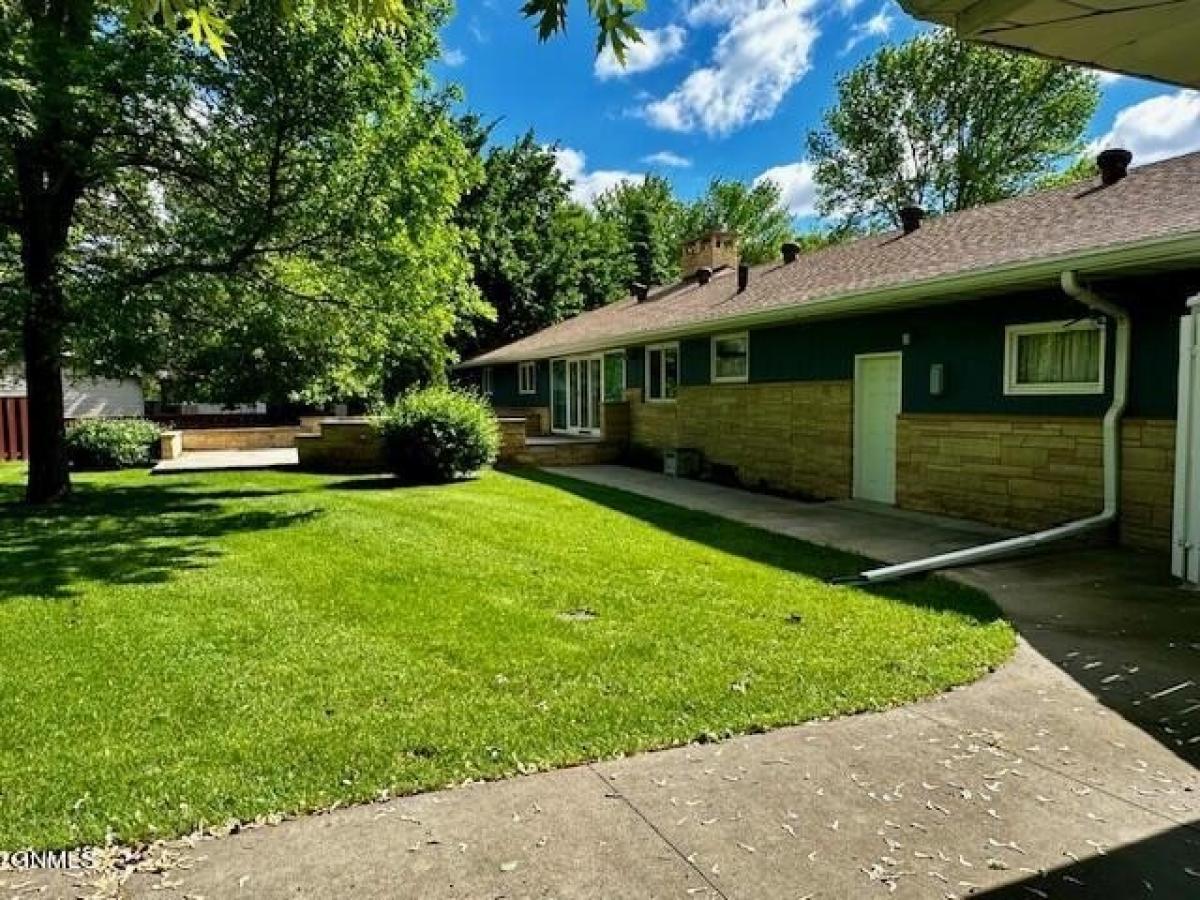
point(85, 398)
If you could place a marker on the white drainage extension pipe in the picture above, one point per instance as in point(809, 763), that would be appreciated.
point(1112, 465)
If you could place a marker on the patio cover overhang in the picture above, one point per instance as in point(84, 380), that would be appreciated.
point(1149, 38)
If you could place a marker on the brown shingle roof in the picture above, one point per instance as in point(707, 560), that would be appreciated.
point(1157, 202)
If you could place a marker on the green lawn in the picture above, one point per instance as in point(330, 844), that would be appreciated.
point(192, 648)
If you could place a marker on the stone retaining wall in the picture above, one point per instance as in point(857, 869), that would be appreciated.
point(263, 438)
point(537, 418)
point(342, 445)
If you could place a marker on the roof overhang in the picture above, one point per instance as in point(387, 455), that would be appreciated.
point(1148, 256)
point(1147, 38)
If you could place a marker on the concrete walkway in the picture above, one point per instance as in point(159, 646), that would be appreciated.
point(1069, 773)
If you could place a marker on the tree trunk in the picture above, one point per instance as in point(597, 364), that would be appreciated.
point(48, 188)
point(49, 476)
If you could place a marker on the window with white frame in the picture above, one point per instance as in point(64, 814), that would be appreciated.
point(662, 372)
point(527, 378)
point(731, 357)
point(1054, 358)
point(485, 381)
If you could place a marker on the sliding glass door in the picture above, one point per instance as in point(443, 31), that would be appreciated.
point(577, 389)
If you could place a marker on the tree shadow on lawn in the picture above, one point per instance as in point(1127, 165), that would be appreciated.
point(122, 535)
point(772, 549)
point(376, 482)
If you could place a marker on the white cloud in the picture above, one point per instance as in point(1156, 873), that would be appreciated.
point(658, 45)
point(720, 12)
point(1107, 78)
point(1157, 128)
point(878, 26)
point(587, 186)
point(755, 63)
point(797, 186)
point(453, 57)
point(667, 158)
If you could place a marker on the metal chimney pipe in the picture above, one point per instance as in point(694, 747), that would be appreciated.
point(910, 218)
point(1113, 164)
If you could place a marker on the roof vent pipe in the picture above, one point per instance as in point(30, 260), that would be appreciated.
point(1111, 432)
point(743, 277)
point(910, 218)
point(704, 274)
point(1113, 164)
point(640, 291)
point(790, 252)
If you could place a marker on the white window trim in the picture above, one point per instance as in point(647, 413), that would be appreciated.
point(1013, 332)
point(522, 369)
point(712, 358)
point(485, 381)
point(670, 345)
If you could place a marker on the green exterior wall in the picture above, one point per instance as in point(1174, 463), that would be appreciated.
point(505, 387)
point(966, 338)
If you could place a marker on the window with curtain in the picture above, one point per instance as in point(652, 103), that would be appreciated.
point(1054, 358)
point(485, 381)
point(730, 357)
point(662, 372)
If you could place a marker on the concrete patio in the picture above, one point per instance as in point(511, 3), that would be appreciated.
point(1068, 773)
point(218, 460)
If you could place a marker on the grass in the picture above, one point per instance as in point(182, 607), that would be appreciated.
point(188, 649)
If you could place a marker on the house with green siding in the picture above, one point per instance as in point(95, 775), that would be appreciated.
point(961, 365)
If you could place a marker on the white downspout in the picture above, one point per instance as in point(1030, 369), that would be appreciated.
point(1112, 464)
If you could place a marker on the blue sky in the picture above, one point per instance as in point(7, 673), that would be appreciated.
point(719, 88)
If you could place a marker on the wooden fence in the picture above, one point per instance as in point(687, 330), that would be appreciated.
point(14, 428)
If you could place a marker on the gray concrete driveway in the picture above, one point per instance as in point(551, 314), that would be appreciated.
point(1069, 773)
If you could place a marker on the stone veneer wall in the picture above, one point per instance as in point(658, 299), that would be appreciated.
point(654, 425)
point(793, 436)
point(1027, 472)
point(1147, 482)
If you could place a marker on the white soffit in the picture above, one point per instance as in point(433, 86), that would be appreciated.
point(1158, 39)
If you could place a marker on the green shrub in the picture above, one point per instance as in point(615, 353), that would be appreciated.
point(111, 443)
point(434, 435)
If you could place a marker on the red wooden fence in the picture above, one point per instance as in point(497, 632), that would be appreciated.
point(14, 428)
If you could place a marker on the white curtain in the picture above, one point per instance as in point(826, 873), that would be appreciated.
point(1070, 356)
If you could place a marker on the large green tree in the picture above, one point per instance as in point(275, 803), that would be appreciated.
point(159, 186)
point(756, 212)
point(538, 256)
point(945, 125)
point(648, 222)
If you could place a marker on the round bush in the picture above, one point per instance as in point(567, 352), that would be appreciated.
point(437, 434)
point(111, 443)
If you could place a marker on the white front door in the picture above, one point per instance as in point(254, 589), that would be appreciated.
point(876, 406)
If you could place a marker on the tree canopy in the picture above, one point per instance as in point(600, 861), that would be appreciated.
point(278, 220)
point(945, 125)
point(538, 257)
point(754, 211)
